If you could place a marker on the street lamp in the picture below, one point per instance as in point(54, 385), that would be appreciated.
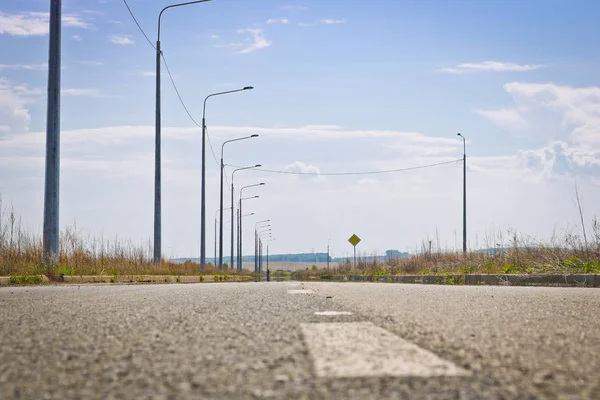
point(256, 228)
point(157, 167)
point(221, 197)
point(239, 259)
point(232, 203)
point(268, 272)
point(240, 221)
point(216, 236)
point(464, 193)
point(260, 251)
point(203, 178)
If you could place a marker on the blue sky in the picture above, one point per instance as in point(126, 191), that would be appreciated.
point(340, 86)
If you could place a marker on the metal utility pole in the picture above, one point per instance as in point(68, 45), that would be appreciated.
point(260, 256)
point(237, 260)
point(256, 228)
point(239, 233)
point(240, 223)
point(157, 155)
point(52, 175)
point(203, 183)
point(328, 253)
point(215, 253)
point(233, 204)
point(464, 193)
point(221, 191)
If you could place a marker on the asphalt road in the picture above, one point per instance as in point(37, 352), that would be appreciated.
point(264, 340)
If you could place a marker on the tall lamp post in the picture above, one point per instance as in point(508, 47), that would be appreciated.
point(268, 272)
point(221, 197)
point(464, 193)
point(52, 172)
point(240, 222)
point(256, 228)
point(203, 178)
point(157, 166)
point(233, 205)
point(239, 238)
point(216, 234)
point(260, 252)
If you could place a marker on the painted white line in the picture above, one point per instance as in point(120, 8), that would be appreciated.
point(300, 291)
point(356, 349)
point(332, 313)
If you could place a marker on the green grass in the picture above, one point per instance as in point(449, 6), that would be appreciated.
point(25, 279)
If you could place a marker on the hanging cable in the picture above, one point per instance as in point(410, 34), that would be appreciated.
point(138, 25)
point(187, 111)
point(352, 173)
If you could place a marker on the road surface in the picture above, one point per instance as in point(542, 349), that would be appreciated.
point(299, 341)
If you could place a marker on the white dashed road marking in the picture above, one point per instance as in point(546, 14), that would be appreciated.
point(300, 291)
point(356, 349)
point(332, 313)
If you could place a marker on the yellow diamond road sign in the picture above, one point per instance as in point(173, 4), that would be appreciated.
point(354, 240)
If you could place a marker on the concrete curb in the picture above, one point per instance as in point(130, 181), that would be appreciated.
point(5, 280)
point(580, 280)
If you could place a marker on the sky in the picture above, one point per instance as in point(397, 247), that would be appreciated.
point(340, 86)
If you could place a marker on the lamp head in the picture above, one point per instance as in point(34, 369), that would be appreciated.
point(255, 135)
point(248, 88)
point(262, 183)
point(257, 166)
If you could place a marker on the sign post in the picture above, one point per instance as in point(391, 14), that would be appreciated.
point(354, 240)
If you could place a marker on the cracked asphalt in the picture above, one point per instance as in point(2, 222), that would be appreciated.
point(244, 340)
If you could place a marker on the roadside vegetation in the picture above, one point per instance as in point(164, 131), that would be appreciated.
point(21, 255)
point(573, 252)
point(570, 253)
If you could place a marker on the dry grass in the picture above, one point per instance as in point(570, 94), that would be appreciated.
point(566, 254)
point(21, 253)
point(572, 252)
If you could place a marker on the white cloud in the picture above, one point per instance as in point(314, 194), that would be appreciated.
point(277, 21)
point(35, 23)
point(333, 21)
point(301, 167)
point(75, 21)
point(311, 171)
point(552, 111)
point(503, 116)
point(121, 39)
point(29, 67)
point(214, 36)
point(14, 114)
point(24, 24)
point(493, 66)
point(555, 160)
point(255, 41)
point(77, 37)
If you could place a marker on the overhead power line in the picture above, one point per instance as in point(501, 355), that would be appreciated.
point(388, 171)
point(187, 111)
point(138, 25)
